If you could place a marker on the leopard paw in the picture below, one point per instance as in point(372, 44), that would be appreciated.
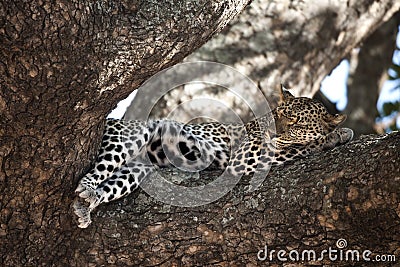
point(83, 214)
point(345, 135)
point(81, 209)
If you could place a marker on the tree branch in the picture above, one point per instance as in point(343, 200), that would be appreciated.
point(350, 192)
point(65, 64)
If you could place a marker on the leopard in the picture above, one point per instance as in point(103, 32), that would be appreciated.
point(131, 150)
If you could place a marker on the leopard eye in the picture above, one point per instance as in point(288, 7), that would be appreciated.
point(293, 121)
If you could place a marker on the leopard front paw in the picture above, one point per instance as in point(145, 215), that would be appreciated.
point(345, 135)
point(337, 137)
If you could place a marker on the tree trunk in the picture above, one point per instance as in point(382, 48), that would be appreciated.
point(64, 65)
point(368, 73)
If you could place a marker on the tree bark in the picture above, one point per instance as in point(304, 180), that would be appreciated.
point(349, 193)
point(63, 66)
point(366, 79)
point(296, 43)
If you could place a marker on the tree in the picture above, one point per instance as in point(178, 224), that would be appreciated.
point(367, 79)
point(65, 64)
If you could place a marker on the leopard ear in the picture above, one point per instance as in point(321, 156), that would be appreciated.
point(284, 94)
point(335, 120)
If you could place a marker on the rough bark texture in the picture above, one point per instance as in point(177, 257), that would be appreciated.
point(367, 75)
point(351, 192)
point(65, 64)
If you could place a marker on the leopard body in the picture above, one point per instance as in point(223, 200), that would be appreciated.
point(131, 150)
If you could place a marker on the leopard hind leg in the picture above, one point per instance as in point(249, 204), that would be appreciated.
point(120, 184)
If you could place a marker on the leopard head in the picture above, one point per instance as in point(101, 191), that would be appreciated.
point(299, 120)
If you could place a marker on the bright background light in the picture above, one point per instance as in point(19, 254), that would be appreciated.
point(334, 86)
point(120, 110)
